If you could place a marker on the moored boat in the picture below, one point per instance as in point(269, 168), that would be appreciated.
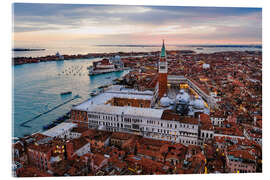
point(94, 93)
point(65, 93)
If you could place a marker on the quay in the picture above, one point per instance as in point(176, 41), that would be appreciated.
point(59, 105)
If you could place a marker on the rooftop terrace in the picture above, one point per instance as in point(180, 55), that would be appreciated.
point(59, 129)
point(114, 92)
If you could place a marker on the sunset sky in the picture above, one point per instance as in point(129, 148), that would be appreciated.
point(43, 25)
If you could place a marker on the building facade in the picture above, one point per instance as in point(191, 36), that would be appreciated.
point(152, 123)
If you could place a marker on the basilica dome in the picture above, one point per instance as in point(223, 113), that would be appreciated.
point(165, 101)
point(198, 104)
point(117, 57)
point(182, 97)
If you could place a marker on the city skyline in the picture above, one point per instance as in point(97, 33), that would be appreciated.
point(63, 25)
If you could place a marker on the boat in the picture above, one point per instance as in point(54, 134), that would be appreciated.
point(94, 93)
point(106, 66)
point(65, 93)
point(199, 48)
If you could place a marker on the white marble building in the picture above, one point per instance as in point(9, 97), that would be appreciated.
point(160, 123)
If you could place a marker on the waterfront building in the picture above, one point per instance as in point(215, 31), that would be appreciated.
point(62, 130)
point(162, 123)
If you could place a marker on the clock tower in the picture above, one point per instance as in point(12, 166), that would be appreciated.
point(162, 73)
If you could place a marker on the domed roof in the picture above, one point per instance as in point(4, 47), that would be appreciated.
point(182, 97)
point(198, 104)
point(117, 57)
point(165, 101)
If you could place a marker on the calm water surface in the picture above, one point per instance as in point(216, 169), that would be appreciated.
point(37, 88)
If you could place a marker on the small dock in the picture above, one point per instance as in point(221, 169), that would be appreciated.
point(59, 105)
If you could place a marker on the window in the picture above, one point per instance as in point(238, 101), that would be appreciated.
point(162, 67)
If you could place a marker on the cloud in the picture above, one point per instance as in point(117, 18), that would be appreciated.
point(128, 22)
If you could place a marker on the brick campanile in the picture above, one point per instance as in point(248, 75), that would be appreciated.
point(162, 73)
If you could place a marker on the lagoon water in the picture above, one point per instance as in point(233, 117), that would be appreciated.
point(37, 88)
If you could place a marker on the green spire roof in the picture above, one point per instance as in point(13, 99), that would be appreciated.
point(163, 51)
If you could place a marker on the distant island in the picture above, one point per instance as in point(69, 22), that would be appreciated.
point(195, 45)
point(58, 57)
point(28, 49)
point(127, 45)
point(225, 46)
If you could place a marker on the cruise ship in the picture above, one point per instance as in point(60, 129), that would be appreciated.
point(106, 66)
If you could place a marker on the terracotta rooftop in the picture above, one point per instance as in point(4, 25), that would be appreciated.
point(78, 143)
point(46, 146)
point(98, 159)
point(121, 135)
point(152, 142)
point(242, 154)
point(171, 115)
point(30, 171)
point(79, 129)
point(97, 135)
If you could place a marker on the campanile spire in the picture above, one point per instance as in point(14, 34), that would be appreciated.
point(163, 51)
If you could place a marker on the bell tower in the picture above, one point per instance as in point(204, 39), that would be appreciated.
point(162, 73)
